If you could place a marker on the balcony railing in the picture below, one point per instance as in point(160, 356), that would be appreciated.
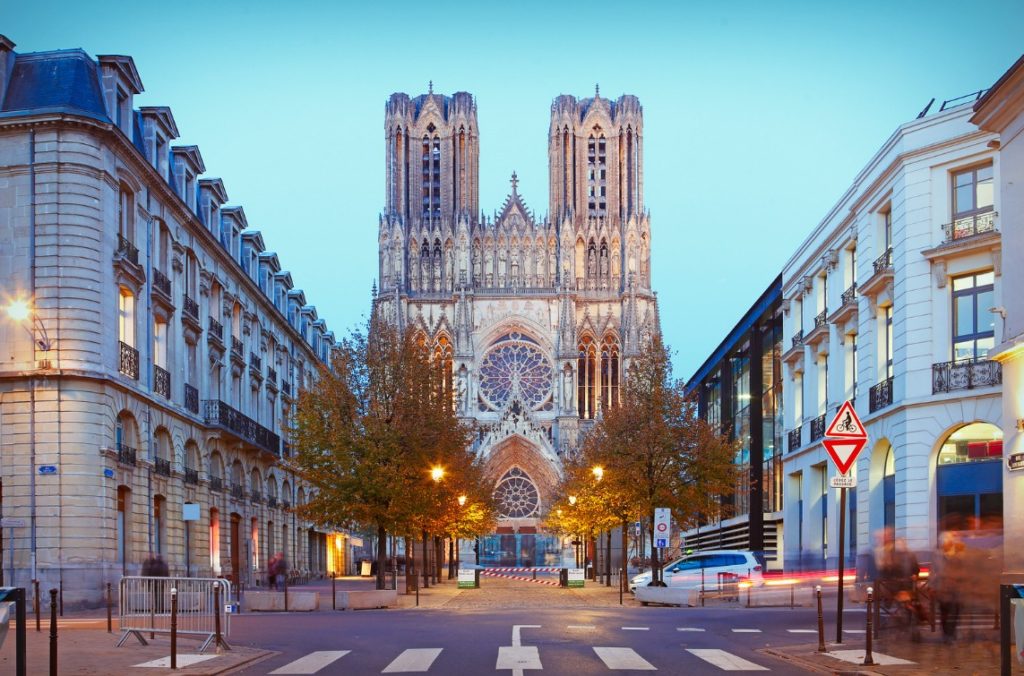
point(219, 414)
point(162, 381)
point(850, 295)
point(237, 492)
point(798, 338)
point(191, 399)
point(127, 250)
point(818, 427)
point(255, 497)
point(794, 438)
point(883, 262)
point(965, 374)
point(271, 375)
point(161, 283)
point(880, 395)
point(216, 330)
point(129, 363)
point(192, 476)
point(255, 362)
point(162, 466)
point(272, 502)
point(968, 226)
point(126, 455)
point(821, 319)
point(286, 387)
point(236, 346)
point(190, 306)
point(216, 484)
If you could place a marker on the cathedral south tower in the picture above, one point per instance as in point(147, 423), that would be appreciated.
point(534, 319)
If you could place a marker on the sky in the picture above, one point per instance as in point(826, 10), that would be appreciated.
point(757, 115)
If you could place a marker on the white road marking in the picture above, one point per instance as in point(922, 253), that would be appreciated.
point(689, 629)
point(802, 631)
point(183, 661)
point(581, 626)
point(636, 629)
point(724, 660)
point(857, 657)
point(516, 628)
point(311, 663)
point(623, 658)
point(518, 658)
point(855, 631)
point(413, 659)
point(746, 631)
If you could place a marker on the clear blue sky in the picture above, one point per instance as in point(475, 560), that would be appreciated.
point(758, 115)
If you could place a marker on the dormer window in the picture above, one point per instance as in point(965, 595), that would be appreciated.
point(121, 109)
point(160, 155)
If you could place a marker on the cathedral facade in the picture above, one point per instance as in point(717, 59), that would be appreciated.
point(534, 319)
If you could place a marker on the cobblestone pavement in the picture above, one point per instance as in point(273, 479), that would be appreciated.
point(504, 593)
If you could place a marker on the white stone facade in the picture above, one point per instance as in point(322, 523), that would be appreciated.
point(176, 345)
point(894, 246)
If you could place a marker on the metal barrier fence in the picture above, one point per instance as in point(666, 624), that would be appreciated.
point(145, 607)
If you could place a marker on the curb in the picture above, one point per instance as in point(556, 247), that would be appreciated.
point(814, 666)
point(234, 668)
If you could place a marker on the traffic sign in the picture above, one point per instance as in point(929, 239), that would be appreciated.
point(661, 542)
point(843, 481)
point(844, 451)
point(662, 522)
point(846, 424)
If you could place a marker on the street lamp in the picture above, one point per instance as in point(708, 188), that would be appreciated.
point(22, 312)
point(598, 472)
point(437, 473)
point(462, 501)
point(572, 500)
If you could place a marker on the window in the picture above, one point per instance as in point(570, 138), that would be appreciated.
point(973, 191)
point(971, 443)
point(887, 228)
point(888, 341)
point(889, 491)
point(586, 381)
point(609, 372)
point(159, 526)
point(973, 324)
point(122, 108)
point(125, 220)
point(124, 499)
point(215, 541)
point(851, 367)
point(160, 344)
point(126, 317)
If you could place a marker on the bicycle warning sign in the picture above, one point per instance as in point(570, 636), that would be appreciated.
point(846, 424)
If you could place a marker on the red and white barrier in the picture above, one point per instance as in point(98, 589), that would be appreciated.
point(539, 569)
point(488, 573)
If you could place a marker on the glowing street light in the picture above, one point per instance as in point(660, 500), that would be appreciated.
point(572, 499)
point(19, 310)
point(598, 472)
point(437, 473)
point(462, 501)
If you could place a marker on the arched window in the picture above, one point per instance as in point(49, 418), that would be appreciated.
point(443, 361)
point(126, 438)
point(969, 480)
point(215, 540)
point(193, 463)
point(159, 524)
point(126, 215)
point(889, 491)
point(124, 502)
point(609, 372)
point(586, 378)
point(126, 316)
point(255, 485)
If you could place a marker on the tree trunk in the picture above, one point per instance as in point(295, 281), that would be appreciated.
point(451, 558)
point(608, 558)
point(624, 579)
point(426, 562)
point(655, 568)
point(410, 566)
point(382, 555)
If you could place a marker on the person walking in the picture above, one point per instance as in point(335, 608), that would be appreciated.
point(947, 578)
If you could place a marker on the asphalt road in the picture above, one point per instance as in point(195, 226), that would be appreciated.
point(553, 640)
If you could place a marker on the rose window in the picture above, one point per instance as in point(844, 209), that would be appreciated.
point(515, 364)
point(516, 495)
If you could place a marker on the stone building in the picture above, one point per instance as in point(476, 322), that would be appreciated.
point(533, 317)
point(151, 349)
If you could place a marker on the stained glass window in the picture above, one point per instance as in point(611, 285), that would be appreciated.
point(515, 363)
point(516, 495)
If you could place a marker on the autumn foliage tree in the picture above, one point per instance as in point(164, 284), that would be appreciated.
point(368, 432)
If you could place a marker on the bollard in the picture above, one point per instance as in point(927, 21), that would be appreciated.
point(792, 591)
point(748, 594)
point(110, 605)
point(334, 591)
point(35, 603)
point(174, 627)
point(53, 632)
point(20, 647)
point(821, 621)
point(216, 617)
point(868, 659)
point(285, 593)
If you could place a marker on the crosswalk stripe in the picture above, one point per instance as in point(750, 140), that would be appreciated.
point(855, 631)
point(636, 629)
point(746, 631)
point(802, 631)
point(518, 658)
point(581, 626)
point(724, 660)
point(413, 659)
point(311, 663)
point(689, 629)
point(623, 658)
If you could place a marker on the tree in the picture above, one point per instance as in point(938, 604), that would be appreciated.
point(368, 432)
point(656, 452)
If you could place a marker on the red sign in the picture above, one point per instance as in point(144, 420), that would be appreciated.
point(844, 451)
point(846, 424)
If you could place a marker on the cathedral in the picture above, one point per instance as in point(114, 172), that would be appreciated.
point(534, 319)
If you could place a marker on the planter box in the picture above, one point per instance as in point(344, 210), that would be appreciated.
point(273, 601)
point(669, 596)
point(373, 598)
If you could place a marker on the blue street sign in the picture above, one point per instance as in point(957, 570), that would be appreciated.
point(661, 542)
point(47, 469)
point(109, 473)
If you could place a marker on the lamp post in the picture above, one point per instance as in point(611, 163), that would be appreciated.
point(21, 311)
point(436, 474)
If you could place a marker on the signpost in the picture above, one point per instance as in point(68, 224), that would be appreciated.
point(467, 578)
point(844, 440)
point(662, 530)
point(576, 577)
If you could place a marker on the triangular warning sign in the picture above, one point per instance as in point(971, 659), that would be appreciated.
point(844, 452)
point(846, 424)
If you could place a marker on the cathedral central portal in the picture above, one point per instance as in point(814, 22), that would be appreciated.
point(534, 319)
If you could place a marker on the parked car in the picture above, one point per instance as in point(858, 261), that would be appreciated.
point(706, 568)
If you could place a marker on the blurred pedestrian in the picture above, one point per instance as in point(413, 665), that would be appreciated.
point(276, 571)
point(947, 580)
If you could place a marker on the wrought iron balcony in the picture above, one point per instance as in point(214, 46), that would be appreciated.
point(237, 492)
point(236, 346)
point(850, 295)
point(794, 438)
point(218, 414)
point(966, 374)
point(216, 484)
point(818, 427)
point(880, 395)
point(255, 361)
point(216, 330)
point(126, 455)
point(883, 262)
point(192, 476)
point(129, 362)
point(190, 307)
point(968, 226)
point(821, 319)
point(272, 375)
point(127, 250)
point(798, 338)
point(161, 283)
point(272, 502)
point(162, 466)
point(255, 497)
point(162, 381)
point(286, 387)
point(191, 399)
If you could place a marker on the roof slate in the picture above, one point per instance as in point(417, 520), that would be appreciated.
point(62, 81)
